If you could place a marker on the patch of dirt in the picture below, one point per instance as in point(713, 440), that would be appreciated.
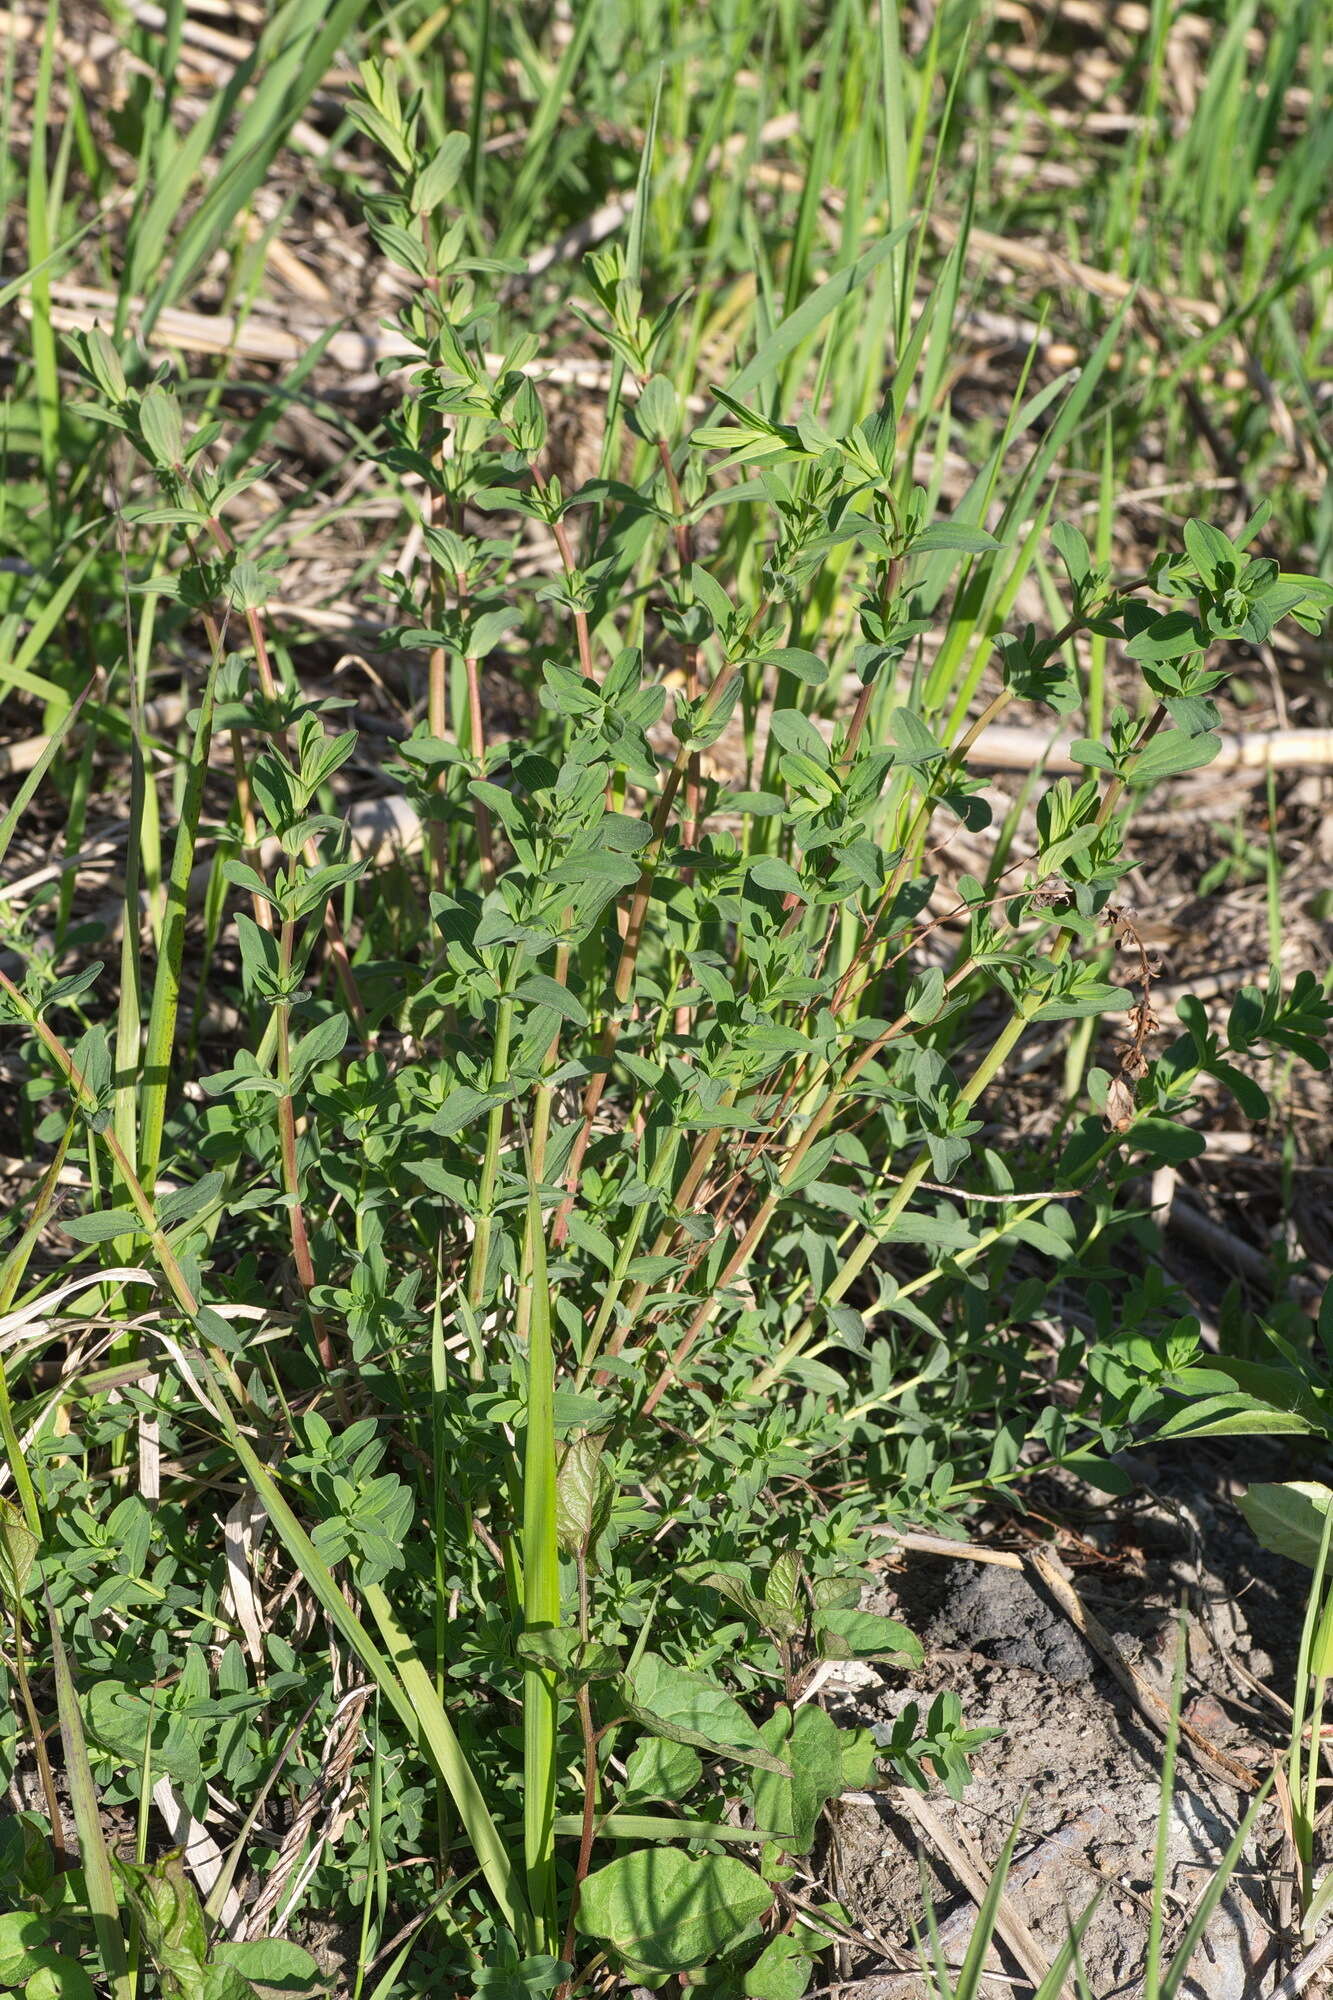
point(1077, 1758)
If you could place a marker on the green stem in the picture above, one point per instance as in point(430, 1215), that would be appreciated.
point(291, 1169)
point(490, 1167)
point(981, 1077)
point(167, 981)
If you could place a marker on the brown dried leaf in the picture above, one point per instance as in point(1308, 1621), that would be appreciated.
point(1119, 1112)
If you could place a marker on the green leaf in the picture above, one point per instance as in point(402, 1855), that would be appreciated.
point(271, 1962)
point(582, 1492)
point(788, 335)
point(1071, 545)
point(461, 1108)
point(797, 732)
point(572, 1660)
point(860, 1758)
point(659, 1769)
point(957, 535)
point(1289, 1519)
point(1168, 638)
point(548, 992)
point(1233, 1416)
point(810, 1742)
point(739, 1593)
point(762, 805)
point(21, 1936)
point(259, 952)
point(689, 1708)
point(927, 995)
point(771, 872)
point(848, 1634)
point(1093, 996)
point(18, 1552)
point(71, 987)
point(657, 412)
point(324, 1042)
point(56, 1977)
point(1084, 751)
point(173, 1209)
point(1209, 549)
point(783, 1968)
point(803, 666)
point(1167, 756)
point(913, 737)
point(160, 425)
point(437, 177)
point(667, 1911)
point(102, 1225)
point(1165, 1143)
point(489, 630)
point(782, 1585)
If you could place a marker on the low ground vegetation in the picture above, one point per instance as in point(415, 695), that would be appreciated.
point(665, 925)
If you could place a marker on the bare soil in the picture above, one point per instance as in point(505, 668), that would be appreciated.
point(1077, 1759)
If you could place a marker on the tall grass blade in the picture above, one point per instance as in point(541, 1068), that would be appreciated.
point(788, 334)
point(289, 64)
point(95, 1857)
point(401, 1679)
point(541, 1583)
point(50, 749)
point(973, 1970)
point(1174, 1975)
point(41, 221)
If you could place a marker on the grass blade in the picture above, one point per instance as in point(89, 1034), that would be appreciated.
point(39, 770)
point(401, 1679)
point(788, 334)
point(96, 1859)
point(541, 1582)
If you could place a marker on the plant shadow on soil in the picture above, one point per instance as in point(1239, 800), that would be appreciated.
point(1075, 1757)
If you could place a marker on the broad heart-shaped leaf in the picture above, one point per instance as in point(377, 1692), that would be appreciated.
point(22, 1935)
point(1289, 1519)
point(572, 1660)
point(810, 1743)
point(864, 1635)
point(272, 1964)
point(782, 1969)
point(668, 1911)
point(658, 1769)
point(860, 1759)
point(55, 1977)
point(216, 1982)
point(689, 1708)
